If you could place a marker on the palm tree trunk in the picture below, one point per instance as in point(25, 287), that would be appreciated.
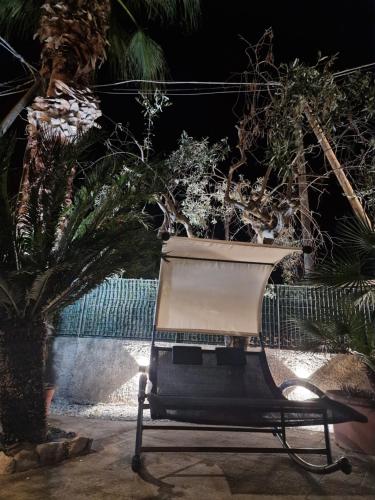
point(22, 402)
point(73, 37)
point(237, 342)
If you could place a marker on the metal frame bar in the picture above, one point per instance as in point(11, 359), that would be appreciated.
point(176, 257)
point(279, 432)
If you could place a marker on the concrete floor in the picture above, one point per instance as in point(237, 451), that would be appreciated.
point(105, 474)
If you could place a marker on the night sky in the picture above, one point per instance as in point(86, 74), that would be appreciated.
point(216, 52)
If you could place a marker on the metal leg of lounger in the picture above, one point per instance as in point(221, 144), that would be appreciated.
point(342, 463)
point(327, 440)
point(283, 431)
point(136, 460)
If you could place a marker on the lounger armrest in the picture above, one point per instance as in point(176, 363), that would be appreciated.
point(302, 383)
point(142, 387)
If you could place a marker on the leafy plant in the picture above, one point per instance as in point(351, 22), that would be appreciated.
point(58, 252)
point(352, 269)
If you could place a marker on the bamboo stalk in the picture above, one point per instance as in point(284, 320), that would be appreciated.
point(337, 168)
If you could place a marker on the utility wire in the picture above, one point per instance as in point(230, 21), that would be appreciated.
point(224, 84)
point(11, 50)
point(171, 93)
point(189, 82)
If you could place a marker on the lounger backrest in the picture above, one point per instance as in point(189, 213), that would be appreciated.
point(224, 372)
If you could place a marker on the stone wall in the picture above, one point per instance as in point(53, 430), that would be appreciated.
point(104, 370)
point(98, 370)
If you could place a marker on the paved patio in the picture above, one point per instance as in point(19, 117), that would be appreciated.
point(105, 474)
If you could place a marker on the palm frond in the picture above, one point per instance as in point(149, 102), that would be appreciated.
point(39, 287)
point(7, 147)
point(184, 12)
point(145, 58)
point(132, 52)
point(19, 18)
point(69, 249)
point(357, 235)
point(7, 296)
point(350, 332)
point(344, 272)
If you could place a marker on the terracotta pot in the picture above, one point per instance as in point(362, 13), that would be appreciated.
point(355, 436)
point(49, 391)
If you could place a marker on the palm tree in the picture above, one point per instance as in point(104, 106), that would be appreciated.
point(353, 270)
point(75, 36)
point(56, 243)
point(69, 251)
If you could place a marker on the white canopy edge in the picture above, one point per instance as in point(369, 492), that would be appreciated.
point(233, 251)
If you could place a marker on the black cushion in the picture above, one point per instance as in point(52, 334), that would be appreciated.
point(186, 355)
point(230, 356)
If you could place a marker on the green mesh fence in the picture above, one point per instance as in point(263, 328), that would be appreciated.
point(124, 308)
point(117, 308)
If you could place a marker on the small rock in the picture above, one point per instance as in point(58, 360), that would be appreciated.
point(7, 464)
point(26, 460)
point(79, 445)
point(51, 453)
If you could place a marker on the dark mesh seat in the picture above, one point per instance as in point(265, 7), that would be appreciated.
point(225, 387)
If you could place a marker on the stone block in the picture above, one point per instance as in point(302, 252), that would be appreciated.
point(78, 446)
point(7, 464)
point(26, 460)
point(52, 453)
point(17, 447)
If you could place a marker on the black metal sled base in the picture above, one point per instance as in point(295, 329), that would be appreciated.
point(342, 464)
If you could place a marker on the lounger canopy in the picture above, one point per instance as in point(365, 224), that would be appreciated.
point(214, 286)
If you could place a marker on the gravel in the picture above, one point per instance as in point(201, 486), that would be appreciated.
point(102, 410)
point(284, 364)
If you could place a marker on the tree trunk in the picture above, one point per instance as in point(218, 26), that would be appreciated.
point(238, 342)
point(22, 402)
point(73, 37)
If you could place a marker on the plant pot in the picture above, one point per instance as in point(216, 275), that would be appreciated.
point(49, 391)
point(355, 436)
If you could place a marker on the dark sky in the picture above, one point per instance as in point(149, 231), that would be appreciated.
point(301, 29)
point(216, 52)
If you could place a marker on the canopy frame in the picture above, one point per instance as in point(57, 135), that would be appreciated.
point(214, 287)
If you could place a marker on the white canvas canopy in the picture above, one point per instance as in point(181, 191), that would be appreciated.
point(211, 286)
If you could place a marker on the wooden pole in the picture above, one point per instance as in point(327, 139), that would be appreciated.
point(308, 258)
point(337, 168)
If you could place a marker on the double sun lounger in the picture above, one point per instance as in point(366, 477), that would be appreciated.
point(225, 389)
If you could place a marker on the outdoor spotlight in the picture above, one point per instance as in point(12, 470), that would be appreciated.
point(307, 249)
point(143, 363)
point(302, 371)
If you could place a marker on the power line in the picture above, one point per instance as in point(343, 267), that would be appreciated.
point(220, 83)
point(189, 82)
point(136, 92)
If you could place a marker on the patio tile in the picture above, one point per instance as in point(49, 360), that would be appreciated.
point(106, 474)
